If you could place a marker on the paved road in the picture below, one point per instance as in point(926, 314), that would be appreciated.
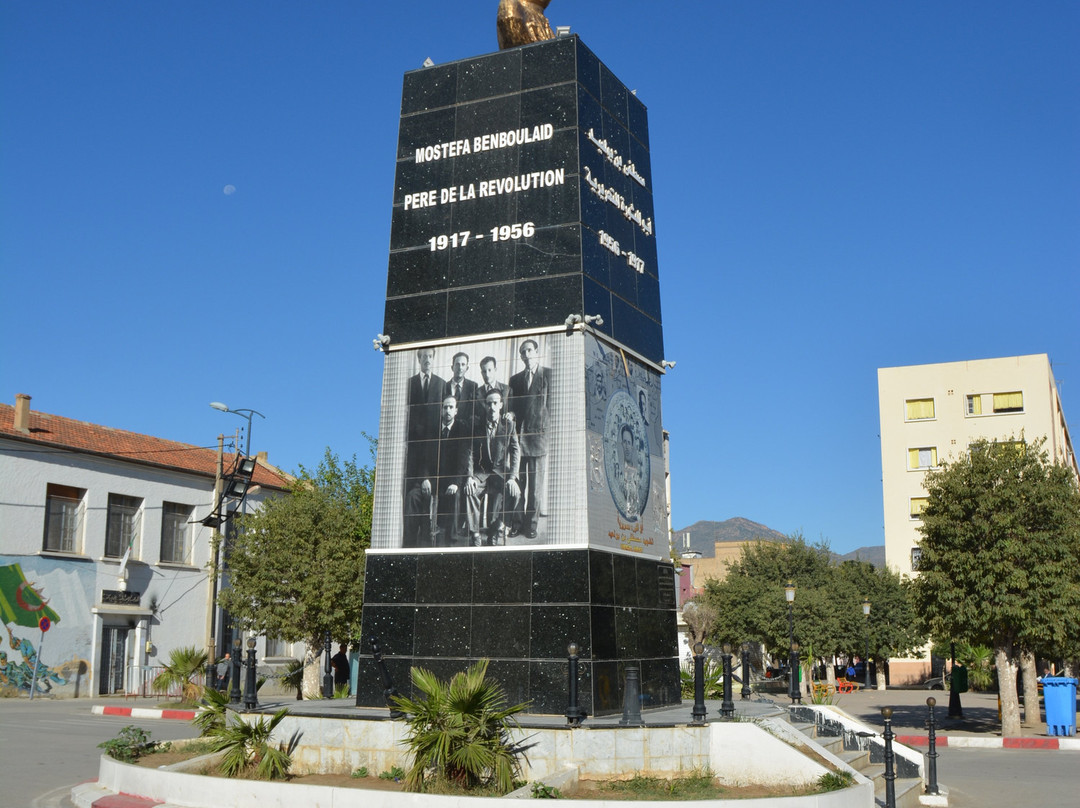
point(978, 778)
point(47, 746)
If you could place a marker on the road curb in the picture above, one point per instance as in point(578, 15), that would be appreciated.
point(960, 741)
point(144, 712)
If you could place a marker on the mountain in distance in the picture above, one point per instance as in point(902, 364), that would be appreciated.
point(874, 554)
point(704, 534)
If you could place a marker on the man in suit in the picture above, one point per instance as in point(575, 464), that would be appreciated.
point(496, 462)
point(462, 389)
point(445, 478)
point(529, 404)
point(425, 393)
point(490, 372)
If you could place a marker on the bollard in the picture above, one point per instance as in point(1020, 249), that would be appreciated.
point(890, 770)
point(389, 691)
point(328, 676)
point(235, 695)
point(631, 715)
point(745, 672)
point(251, 696)
point(931, 756)
point(574, 714)
point(699, 683)
point(727, 706)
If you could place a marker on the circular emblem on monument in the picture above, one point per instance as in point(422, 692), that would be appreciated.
point(626, 455)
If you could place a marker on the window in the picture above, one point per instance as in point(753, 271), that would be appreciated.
point(918, 505)
point(174, 532)
point(64, 508)
point(922, 458)
point(122, 529)
point(999, 403)
point(1009, 402)
point(916, 557)
point(276, 647)
point(919, 409)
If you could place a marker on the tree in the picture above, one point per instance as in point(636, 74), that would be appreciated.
point(296, 568)
point(827, 610)
point(892, 624)
point(1000, 562)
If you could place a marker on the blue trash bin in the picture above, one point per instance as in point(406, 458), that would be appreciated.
point(1059, 697)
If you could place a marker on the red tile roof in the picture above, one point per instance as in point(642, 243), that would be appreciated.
point(67, 434)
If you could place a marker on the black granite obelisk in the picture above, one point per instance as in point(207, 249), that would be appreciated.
point(520, 500)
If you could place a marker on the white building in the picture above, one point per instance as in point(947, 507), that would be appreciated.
point(100, 530)
point(931, 413)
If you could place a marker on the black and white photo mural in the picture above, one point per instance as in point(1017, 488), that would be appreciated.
point(521, 441)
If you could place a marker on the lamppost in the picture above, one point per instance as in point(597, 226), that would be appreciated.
point(866, 658)
point(746, 670)
point(243, 413)
point(727, 706)
point(793, 655)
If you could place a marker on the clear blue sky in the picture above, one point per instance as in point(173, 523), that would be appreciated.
point(839, 186)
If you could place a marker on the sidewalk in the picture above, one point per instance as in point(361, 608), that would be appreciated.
point(979, 726)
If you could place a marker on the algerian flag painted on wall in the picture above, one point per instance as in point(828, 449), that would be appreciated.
point(20, 603)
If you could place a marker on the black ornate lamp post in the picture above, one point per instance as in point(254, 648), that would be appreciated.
point(866, 658)
point(699, 683)
point(251, 698)
point(727, 706)
point(746, 670)
point(574, 714)
point(890, 771)
point(234, 689)
point(793, 654)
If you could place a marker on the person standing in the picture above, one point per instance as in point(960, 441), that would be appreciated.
point(529, 390)
point(425, 393)
point(340, 662)
point(442, 481)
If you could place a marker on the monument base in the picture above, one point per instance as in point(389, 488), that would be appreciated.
point(520, 609)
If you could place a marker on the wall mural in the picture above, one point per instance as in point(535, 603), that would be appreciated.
point(23, 605)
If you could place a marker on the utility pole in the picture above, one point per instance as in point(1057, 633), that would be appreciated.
point(211, 584)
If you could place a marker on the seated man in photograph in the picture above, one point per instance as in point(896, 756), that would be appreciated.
point(496, 460)
point(451, 468)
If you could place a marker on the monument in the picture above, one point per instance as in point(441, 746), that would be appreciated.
point(520, 498)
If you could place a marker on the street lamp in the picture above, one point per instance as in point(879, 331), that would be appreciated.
point(698, 712)
point(251, 698)
point(243, 413)
point(866, 658)
point(793, 656)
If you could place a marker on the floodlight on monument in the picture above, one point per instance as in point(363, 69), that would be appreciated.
point(381, 342)
point(594, 319)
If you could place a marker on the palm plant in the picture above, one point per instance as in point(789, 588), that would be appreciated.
point(211, 718)
point(180, 671)
point(293, 677)
point(247, 746)
point(460, 731)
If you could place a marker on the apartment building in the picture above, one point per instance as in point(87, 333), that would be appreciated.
point(932, 413)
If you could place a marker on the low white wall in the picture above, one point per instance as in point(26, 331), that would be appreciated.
point(736, 753)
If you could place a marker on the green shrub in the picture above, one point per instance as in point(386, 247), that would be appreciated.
point(543, 792)
point(211, 718)
point(128, 745)
point(834, 781)
point(459, 732)
point(395, 773)
point(183, 666)
point(248, 750)
point(360, 773)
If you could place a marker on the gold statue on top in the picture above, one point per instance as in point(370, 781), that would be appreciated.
point(520, 22)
